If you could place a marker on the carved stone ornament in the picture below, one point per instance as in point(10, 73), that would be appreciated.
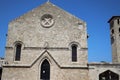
point(47, 21)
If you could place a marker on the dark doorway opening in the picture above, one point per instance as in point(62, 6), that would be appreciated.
point(0, 73)
point(108, 75)
point(45, 70)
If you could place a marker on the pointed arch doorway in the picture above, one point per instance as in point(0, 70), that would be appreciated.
point(108, 75)
point(45, 70)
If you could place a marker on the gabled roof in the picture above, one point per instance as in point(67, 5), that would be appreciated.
point(47, 7)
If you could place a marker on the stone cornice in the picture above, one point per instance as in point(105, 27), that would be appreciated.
point(104, 64)
point(46, 48)
point(49, 48)
point(28, 66)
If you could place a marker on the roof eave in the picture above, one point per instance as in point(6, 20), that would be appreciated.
point(113, 18)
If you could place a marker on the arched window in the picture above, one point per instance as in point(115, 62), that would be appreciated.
point(45, 70)
point(108, 75)
point(18, 52)
point(74, 52)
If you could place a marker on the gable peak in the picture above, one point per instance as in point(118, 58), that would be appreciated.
point(49, 3)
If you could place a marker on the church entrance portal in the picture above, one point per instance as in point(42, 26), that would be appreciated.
point(45, 70)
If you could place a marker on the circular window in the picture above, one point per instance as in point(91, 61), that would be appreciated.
point(47, 21)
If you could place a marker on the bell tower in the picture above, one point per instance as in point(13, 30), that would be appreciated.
point(115, 38)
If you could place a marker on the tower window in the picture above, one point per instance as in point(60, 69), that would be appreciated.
point(118, 21)
point(18, 52)
point(74, 52)
point(112, 31)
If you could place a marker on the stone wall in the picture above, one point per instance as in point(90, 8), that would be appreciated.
point(58, 39)
point(57, 72)
point(52, 43)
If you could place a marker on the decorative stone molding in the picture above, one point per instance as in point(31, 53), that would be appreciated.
point(20, 42)
point(74, 43)
point(47, 20)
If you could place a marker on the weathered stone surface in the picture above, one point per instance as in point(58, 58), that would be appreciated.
point(52, 43)
point(115, 38)
point(47, 33)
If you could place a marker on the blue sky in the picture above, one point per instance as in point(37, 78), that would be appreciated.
point(95, 13)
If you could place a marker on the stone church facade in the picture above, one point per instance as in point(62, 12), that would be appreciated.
point(48, 43)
